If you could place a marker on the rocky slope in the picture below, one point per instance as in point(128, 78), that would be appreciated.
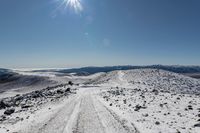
point(31, 102)
point(151, 79)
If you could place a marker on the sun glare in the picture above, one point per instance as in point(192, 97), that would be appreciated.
point(74, 5)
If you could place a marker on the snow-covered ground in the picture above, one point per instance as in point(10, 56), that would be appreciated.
point(26, 81)
point(151, 112)
point(132, 101)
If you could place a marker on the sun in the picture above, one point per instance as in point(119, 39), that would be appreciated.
point(74, 5)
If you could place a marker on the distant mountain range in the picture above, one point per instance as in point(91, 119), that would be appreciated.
point(6, 74)
point(14, 78)
point(92, 70)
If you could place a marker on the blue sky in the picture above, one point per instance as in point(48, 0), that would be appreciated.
point(36, 33)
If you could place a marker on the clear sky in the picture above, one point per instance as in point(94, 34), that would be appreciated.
point(74, 33)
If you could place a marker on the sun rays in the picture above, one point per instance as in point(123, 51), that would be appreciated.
point(74, 5)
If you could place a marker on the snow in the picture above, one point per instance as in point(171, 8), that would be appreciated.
point(150, 78)
point(164, 107)
point(42, 74)
point(131, 101)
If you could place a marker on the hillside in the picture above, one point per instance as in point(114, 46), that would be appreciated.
point(84, 71)
point(121, 101)
point(150, 79)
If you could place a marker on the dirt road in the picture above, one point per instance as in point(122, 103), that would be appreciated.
point(83, 114)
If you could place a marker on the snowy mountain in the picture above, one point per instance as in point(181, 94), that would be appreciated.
point(152, 79)
point(5, 75)
point(13, 81)
point(92, 70)
point(121, 101)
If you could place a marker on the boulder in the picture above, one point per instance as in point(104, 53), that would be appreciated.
point(157, 123)
point(68, 90)
point(60, 92)
point(7, 102)
point(197, 125)
point(9, 111)
point(26, 106)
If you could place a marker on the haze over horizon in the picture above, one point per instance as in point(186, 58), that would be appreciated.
point(53, 34)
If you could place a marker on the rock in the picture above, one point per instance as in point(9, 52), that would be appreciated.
point(138, 107)
point(157, 123)
point(2, 105)
point(18, 98)
point(124, 101)
point(70, 83)
point(60, 92)
point(110, 104)
point(190, 107)
point(178, 98)
point(35, 95)
point(197, 125)
point(68, 90)
point(26, 106)
point(117, 92)
point(7, 102)
point(161, 105)
point(155, 91)
point(105, 97)
point(3, 118)
point(9, 111)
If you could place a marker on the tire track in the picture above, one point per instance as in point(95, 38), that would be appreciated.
point(112, 122)
point(88, 120)
point(84, 114)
